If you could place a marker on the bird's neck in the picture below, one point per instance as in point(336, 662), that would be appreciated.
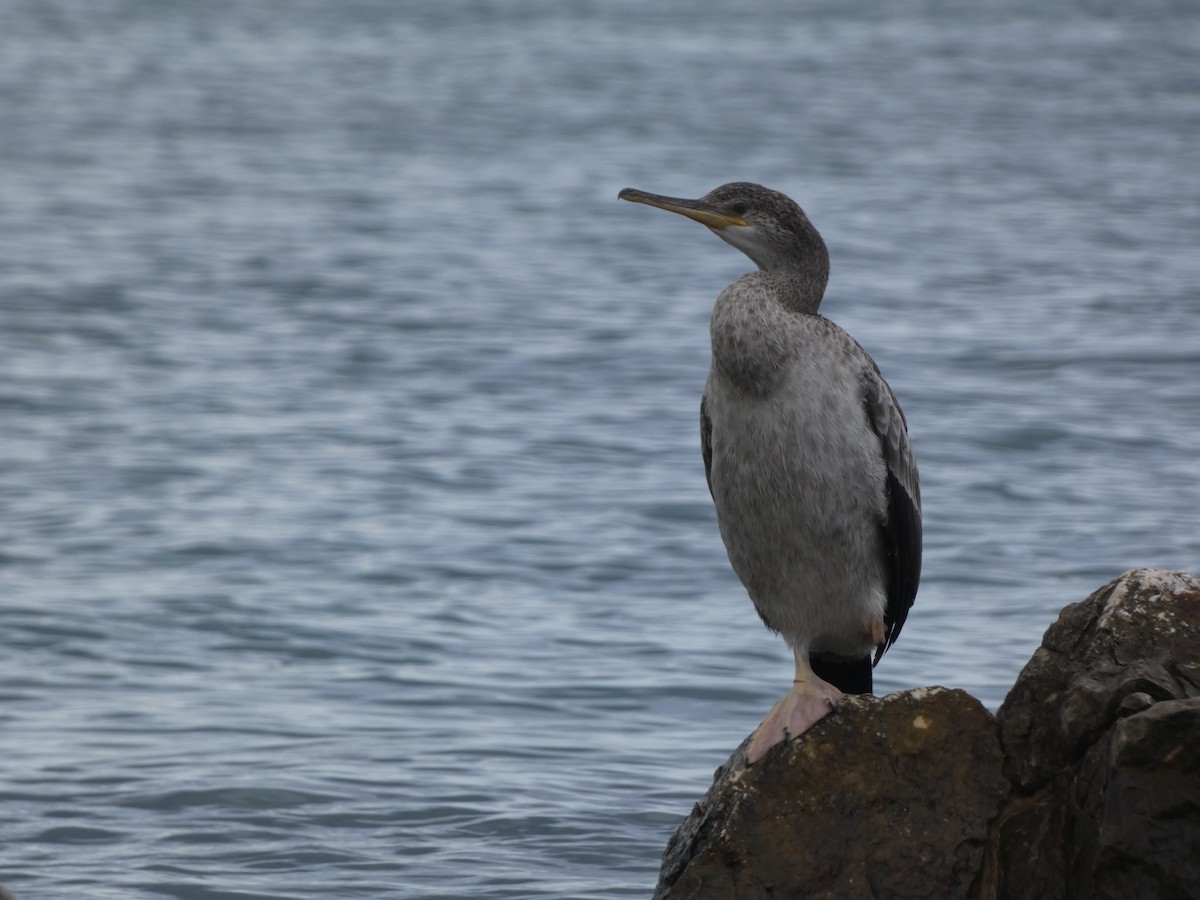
point(796, 290)
point(752, 324)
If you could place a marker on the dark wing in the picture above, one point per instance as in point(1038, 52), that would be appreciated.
point(706, 440)
point(902, 529)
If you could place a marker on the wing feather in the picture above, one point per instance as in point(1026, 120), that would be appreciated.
point(706, 440)
point(901, 530)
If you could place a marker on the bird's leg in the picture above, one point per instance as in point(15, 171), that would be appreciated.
point(809, 701)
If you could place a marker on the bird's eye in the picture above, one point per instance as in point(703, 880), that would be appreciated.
point(740, 208)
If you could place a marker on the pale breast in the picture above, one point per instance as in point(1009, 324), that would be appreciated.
point(798, 480)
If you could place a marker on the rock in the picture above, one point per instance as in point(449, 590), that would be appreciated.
point(1101, 735)
point(887, 797)
point(1085, 785)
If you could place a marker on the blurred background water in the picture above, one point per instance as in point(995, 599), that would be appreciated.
point(355, 535)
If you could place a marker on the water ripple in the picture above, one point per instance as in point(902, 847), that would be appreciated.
point(356, 541)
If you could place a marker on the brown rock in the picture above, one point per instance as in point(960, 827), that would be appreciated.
point(886, 798)
point(904, 797)
point(1102, 740)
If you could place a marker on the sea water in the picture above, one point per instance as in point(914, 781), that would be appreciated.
point(356, 542)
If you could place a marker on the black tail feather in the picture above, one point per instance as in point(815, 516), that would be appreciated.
point(850, 675)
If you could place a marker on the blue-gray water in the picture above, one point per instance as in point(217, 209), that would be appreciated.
point(355, 535)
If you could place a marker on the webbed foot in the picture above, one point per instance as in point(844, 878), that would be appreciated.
point(797, 711)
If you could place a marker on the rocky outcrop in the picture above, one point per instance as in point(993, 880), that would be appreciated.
point(1085, 785)
point(1101, 735)
point(901, 788)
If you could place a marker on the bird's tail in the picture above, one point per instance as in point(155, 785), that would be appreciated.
point(849, 674)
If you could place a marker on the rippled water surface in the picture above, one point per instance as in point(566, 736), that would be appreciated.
point(355, 535)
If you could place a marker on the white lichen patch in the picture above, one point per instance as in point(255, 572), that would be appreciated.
point(1146, 593)
point(924, 693)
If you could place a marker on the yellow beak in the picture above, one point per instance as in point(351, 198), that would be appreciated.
point(693, 209)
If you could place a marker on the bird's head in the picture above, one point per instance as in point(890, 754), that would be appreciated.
point(769, 227)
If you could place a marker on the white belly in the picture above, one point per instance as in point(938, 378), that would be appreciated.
point(798, 480)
